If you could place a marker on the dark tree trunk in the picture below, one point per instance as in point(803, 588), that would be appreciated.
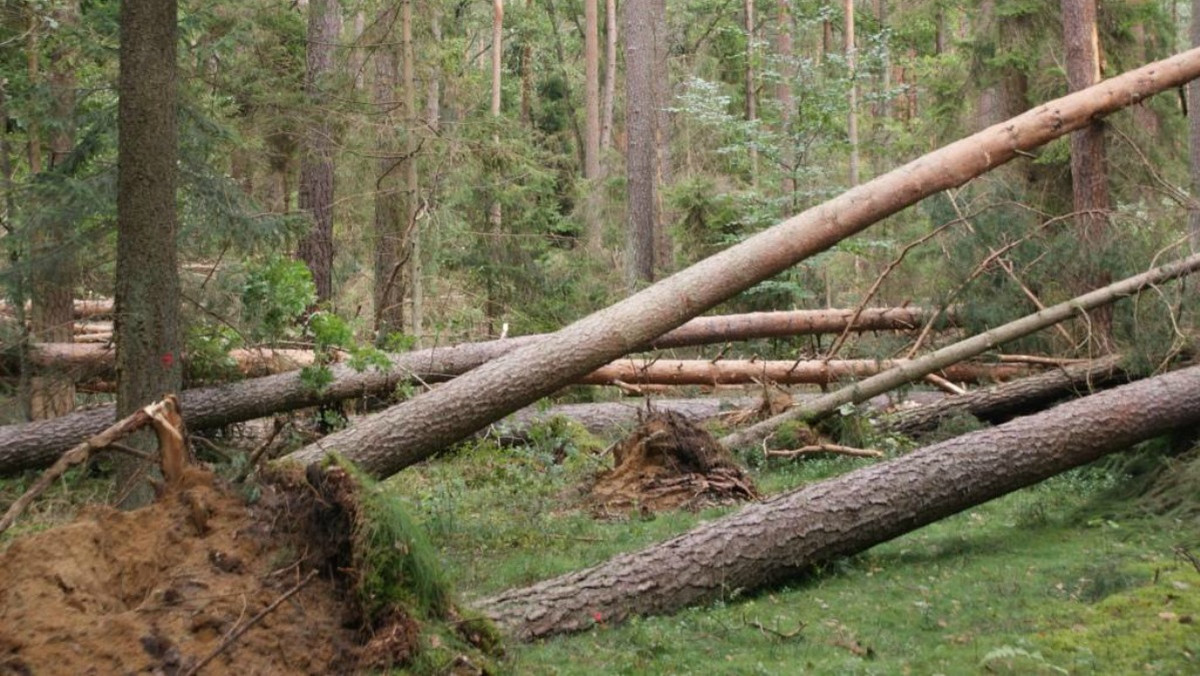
point(641, 155)
point(316, 165)
point(786, 537)
point(387, 442)
point(1089, 176)
point(147, 288)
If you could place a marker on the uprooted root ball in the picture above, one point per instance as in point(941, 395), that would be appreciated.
point(669, 462)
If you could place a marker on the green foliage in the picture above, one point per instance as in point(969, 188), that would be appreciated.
point(275, 294)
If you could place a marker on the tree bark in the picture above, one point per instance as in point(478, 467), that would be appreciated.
point(387, 442)
point(1193, 116)
point(787, 372)
point(316, 166)
point(83, 309)
point(664, 247)
point(1089, 175)
point(412, 188)
point(492, 309)
point(147, 286)
point(998, 403)
point(591, 68)
point(641, 156)
point(907, 372)
point(788, 536)
point(851, 53)
point(783, 92)
point(750, 85)
point(610, 74)
point(391, 246)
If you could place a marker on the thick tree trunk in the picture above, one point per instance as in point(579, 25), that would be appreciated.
point(787, 537)
point(1001, 402)
point(387, 442)
point(316, 166)
point(787, 372)
point(147, 287)
point(82, 361)
point(641, 156)
point(964, 349)
point(1089, 175)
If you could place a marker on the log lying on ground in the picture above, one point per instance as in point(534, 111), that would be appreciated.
point(87, 360)
point(1003, 401)
point(790, 372)
point(964, 349)
point(32, 445)
point(785, 537)
point(410, 432)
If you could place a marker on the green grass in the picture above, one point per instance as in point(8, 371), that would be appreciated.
point(1041, 581)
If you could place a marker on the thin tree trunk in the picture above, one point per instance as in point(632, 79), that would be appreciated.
point(965, 349)
point(610, 74)
point(786, 537)
point(38, 444)
point(641, 156)
point(316, 165)
point(1089, 176)
point(655, 371)
point(783, 92)
point(594, 234)
point(1193, 115)
point(664, 247)
point(1009, 399)
point(412, 188)
point(493, 309)
point(885, 68)
point(527, 76)
point(851, 53)
point(387, 442)
point(389, 221)
point(751, 85)
point(147, 286)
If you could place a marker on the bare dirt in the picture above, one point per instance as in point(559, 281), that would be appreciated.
point(669, 462)
point(155, 591)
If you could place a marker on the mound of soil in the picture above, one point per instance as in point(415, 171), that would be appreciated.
point(669, 462)
point(157, 590)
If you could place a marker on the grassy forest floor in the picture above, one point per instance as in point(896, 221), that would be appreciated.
point(1069, 576)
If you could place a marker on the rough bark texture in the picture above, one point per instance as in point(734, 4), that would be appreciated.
point(1193, 107)
point(785, 537)
point(641, 156)
point(316, 166)
point(1089, 174)
point(1003, 401)
point(386, 443)
point(788, 372)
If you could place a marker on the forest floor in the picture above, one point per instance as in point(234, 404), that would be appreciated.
point(1063, 577)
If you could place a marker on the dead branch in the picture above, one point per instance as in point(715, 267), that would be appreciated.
point(826, 448)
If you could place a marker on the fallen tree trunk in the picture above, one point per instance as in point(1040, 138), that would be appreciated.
point(907, 372)
point(790, 372)
point(785, 537)
point(88, 360)
point(998, 403)
point(405, 434)
point(83, 308)
point(37, 444)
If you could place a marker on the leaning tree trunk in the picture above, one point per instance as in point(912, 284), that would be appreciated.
point(788, 536)
point(1004, 401)
point(390, 441)
point(38, 444)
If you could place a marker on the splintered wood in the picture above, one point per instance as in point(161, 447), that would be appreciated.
point(669, 462)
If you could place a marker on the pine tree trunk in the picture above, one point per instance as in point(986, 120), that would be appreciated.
point(790, 535)
point(750, 85)
point(664, 247)
point(387, 442)
point(851, 53)
point(147, 286)
point(390, 246)
point(783, 92)
point(493, 309)
point(1089, 176)
point(610, 74)
point(316, 165)
point(411, 234)
point(1193, 116)
point(641, 156)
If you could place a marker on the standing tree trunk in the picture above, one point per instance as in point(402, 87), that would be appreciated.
point(1089, 176)
point(389, 441)
point(751, 86)
point(527, 75)
point(411, 235)
point(610, 73)
point(591, 146)
point(785, 537)
point(316, 166)
point(54, 269)
point(1193, 110)
point(147, 288)
point(851, 68)
point(641, 156)
point(783, 92)
point(493, 309)
point(664, 258)
point(390, 245)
